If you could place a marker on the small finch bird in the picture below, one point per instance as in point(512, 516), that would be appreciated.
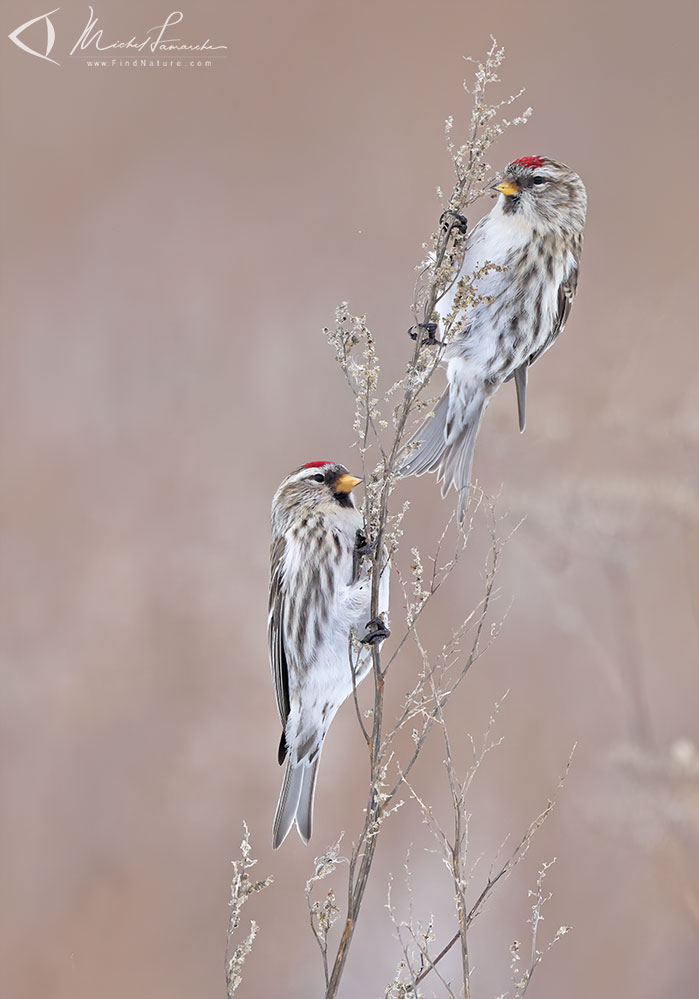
point(533, 236)
point(320, 588)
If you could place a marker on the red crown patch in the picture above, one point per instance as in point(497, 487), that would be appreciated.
point(317, 464)
point(529, 161)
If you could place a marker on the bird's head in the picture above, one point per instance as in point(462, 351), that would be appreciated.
point(542, 191)
point(318, 486)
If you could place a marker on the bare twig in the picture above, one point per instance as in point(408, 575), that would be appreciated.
point(523, 979)
point(505, 869)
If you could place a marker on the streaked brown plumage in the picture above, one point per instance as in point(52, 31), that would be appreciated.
point(319, 590)
point(533, 235)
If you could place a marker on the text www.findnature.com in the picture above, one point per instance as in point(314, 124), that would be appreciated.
point(154, 63)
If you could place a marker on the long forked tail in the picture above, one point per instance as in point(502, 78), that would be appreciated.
point(296, 800)
point(447, 442)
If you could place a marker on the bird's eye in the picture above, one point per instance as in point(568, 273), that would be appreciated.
point(319, 478)
point(539, 180)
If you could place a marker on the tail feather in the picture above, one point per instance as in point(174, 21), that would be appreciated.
point(296, 800)
point(448, 449)
point(461, 462)
point(432, 441)
point(288, 802)
point(304, 811)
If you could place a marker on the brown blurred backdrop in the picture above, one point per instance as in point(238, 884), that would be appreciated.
point(173, 242)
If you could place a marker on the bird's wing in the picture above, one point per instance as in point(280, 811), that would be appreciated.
point(566, 294)
point(275, 630)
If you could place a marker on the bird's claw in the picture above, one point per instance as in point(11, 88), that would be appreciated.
point(362, 546)
point(459, 222)
point(430, 328)
point(376, 631)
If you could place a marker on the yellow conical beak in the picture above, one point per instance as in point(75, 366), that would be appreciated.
point(346, 483)
point(507, 188)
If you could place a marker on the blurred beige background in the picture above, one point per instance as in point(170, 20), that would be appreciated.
point(173, 242)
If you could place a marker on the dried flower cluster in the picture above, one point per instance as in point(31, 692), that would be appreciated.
point(242, 887)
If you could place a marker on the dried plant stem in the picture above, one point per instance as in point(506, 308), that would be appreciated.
point(360, 863)
point(378, 804)
point(363, 856)
point(356, 353)
point(380, 801)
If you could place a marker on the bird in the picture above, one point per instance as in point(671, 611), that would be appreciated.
point(320, 589)
point(533, 236)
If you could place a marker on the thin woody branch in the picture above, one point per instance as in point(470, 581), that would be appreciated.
point(506, 869)
point(355, 350)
